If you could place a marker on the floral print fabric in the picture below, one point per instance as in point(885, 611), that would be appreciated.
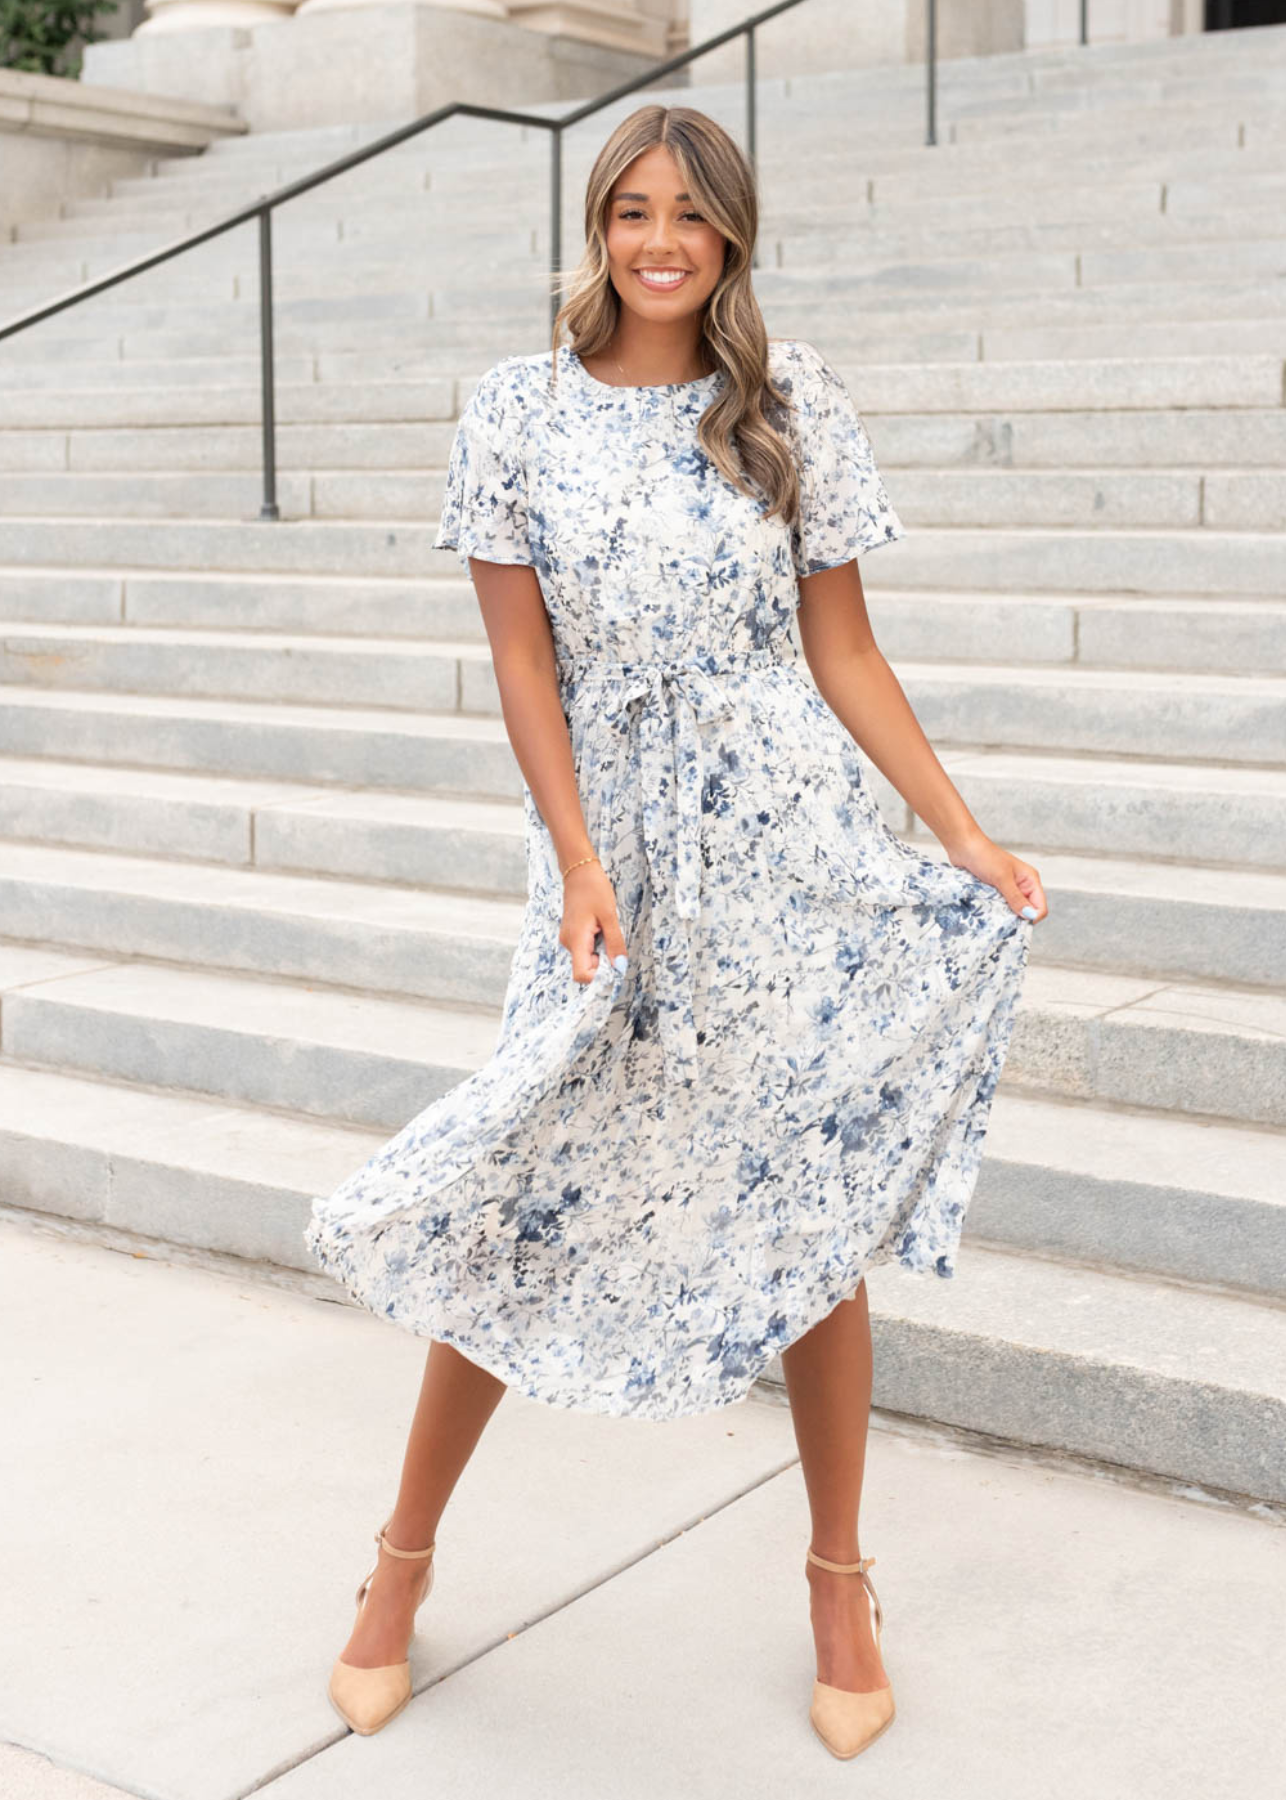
point(662, 1178)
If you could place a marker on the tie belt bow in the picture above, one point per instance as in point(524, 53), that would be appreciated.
point(667, 702)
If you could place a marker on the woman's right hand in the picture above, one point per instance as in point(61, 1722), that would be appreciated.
point(589, 907)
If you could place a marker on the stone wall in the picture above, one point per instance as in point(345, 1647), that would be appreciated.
point(60, 139)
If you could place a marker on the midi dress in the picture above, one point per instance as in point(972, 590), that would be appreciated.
point(664, 1176)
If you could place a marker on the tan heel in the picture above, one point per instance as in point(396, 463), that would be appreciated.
point(367, 1699)
point(847, 1722)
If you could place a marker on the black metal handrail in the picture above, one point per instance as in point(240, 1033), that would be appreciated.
point(262, 209)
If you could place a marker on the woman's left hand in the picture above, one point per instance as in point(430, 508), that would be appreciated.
point(1014, 878)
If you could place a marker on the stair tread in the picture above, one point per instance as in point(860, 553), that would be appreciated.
point(357, 719)
point(382, 805)
point(1152, 1149)
point(1203, 1006)
point(214, 637)
point(259, 1007)
point(1198, 1008)
point(215, 884)
point(1058, 676)
point(212, 1137)
point(1096, 772)
point(1165, 1330)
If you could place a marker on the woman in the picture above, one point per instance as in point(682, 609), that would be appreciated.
point(751, 1037)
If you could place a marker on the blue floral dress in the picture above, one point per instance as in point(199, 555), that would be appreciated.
point(662, 1178)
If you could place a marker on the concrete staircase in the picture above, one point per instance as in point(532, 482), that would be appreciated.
point(262, 869)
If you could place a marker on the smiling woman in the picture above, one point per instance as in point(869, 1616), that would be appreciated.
point(751, 1037)
point(657, 243)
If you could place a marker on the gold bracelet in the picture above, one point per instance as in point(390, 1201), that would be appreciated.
point(576, 865)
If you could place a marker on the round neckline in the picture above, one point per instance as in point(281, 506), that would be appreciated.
point(638, 387)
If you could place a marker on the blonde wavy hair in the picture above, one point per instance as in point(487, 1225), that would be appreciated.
point(736, 430)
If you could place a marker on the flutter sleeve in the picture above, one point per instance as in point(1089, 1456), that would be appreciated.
point(484, 502)
point(843, 505)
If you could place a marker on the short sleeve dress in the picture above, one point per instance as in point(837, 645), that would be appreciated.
point(663, 1177)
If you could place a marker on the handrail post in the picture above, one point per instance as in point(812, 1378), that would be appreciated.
point(269, 508)
point(751, 146)
point(555, 217)
point(751, 121)
point(931, 70)
point(1085, 21)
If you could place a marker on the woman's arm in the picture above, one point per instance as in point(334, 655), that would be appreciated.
point(522, 654)
point(856, 682)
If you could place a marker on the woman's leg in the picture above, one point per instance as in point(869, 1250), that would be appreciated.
point(457, 1398)
point(828, 1380)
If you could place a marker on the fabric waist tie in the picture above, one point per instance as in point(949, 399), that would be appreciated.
point(670, 701)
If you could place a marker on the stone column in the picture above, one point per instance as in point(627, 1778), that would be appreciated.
point(200, 15)
point(486, 9)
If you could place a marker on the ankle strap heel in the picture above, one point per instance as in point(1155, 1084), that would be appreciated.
point(856, 1568)
point(848, 1722)
point(393, 1550)
point(366, 1699)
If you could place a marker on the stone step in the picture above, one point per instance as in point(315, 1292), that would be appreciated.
point(367, 936)
point(1151, 439)
point(1107, 631)
point(319, 251)
point(1241, 499)
point(1137, 1190)
point(443, 753)
point(173, 1167)
point(320, 330)
point(1204, 636)
point(318, 1052)
point(1196, 563)
point(882, 127)
point(1167, 715)
point(1145, 1374)
point(1177, 812)
point(785, 184)
point(1206, 437)
point(1183, 717)
point(439, 607)
point(78, 392)
point(789, 238)
point(1207, 171)
point(498, 284)
point(412, 444)
point(1202, 1049)
point(164, 397)
point(364, 834)
point(1085, 806)
point(1155, 364)
point(786, 233)
point(1067, 803)
point(1169, 919)
point(440, 945)
point(1052, 395)
point(250, 665)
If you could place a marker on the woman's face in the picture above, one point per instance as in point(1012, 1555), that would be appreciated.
point(665, 260)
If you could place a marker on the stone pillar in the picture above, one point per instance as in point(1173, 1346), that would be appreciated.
point(200, 15)
point(614, 24)
point(486, 9)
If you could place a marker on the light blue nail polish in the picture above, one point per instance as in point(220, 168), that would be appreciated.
point(1029, 912)
point(621, 962)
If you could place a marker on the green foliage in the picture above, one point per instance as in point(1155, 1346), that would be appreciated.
point(39, 35)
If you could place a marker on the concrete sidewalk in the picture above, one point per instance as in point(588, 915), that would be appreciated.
point(196, 1461)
